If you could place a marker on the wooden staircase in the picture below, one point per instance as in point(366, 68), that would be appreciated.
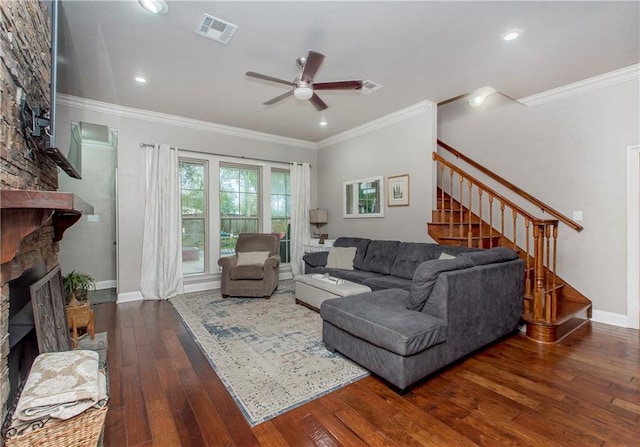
point(469, 213)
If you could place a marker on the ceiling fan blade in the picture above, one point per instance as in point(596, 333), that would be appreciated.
point(338, 85)
point(253, 74)
point(318, 103)
point(311, 66)
point(278, 98)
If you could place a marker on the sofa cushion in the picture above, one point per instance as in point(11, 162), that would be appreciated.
point(361, 248)
point(341, 257)
point(359, 276)
point(382, 319)
point(247, 272)
point(387, 282)
point(316, 259)
point(492, 255)
point(410, 255)
point(426, 276)
point(380, 256)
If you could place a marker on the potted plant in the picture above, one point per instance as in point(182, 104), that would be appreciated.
point(76, 285)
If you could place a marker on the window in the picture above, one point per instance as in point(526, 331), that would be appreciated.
point(239, 204)
point(363, 198)
point(193, 200)
point(281, 209)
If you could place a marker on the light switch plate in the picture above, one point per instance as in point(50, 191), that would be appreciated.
point(93, 218)
point(577, 216)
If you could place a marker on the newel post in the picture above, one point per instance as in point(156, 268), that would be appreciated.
point(538, 274)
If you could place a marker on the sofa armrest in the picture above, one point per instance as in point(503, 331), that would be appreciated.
point(479, 304)
point(316, 259)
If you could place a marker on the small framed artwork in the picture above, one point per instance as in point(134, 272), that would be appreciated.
point(398, 190)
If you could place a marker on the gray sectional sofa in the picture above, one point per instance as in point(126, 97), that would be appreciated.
point(408, 328)
point(381, 264)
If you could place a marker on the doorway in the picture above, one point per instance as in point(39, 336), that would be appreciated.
point(90, 246)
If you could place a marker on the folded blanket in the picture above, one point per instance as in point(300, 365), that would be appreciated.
point(60, 385)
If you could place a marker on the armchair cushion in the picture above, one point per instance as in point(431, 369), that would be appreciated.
point(247, 272)
point(252, 258)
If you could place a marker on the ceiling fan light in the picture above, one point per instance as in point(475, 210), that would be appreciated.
point(303, 92)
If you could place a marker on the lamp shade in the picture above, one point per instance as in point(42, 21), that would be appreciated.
point(318, 216)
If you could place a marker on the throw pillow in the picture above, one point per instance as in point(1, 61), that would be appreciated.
point(252, 257)
point(426, 276)
point(444, 255)
point(341, 258)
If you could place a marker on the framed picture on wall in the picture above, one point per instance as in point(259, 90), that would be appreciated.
point(398, 190)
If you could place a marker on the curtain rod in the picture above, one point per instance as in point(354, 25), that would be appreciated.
point(226, 155)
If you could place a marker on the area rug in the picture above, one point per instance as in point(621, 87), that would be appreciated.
point(268, 353)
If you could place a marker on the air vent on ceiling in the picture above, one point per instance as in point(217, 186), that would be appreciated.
point(369, 87)
point(216, 29)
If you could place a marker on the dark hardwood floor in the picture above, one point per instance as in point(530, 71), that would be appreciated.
point(584, 391)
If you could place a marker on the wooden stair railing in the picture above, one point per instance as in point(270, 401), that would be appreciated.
point(473, 214)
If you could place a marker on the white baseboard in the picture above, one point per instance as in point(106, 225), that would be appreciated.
point(201, 286)
point(108, 284)
point(602, 316)
point(128, 297)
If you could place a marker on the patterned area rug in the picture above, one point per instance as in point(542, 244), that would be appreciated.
point(268, 353)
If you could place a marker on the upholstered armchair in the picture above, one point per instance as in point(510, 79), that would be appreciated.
point(254, 270)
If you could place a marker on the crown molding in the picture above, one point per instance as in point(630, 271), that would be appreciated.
point(379, 123)
point(174, 120)
point(604, 80)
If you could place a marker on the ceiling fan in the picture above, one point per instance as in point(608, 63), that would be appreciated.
point(303, 85)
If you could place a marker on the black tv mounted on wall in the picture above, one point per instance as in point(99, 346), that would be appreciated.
point(40, 126)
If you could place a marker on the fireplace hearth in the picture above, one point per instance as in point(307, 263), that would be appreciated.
point(23, 341)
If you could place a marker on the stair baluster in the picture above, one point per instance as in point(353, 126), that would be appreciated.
point(541, 301)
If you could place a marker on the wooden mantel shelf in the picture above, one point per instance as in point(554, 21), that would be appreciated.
point(24, 211)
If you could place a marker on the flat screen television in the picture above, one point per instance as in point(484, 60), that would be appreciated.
point(69, 160)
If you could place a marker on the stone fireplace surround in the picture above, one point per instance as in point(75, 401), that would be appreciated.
point(25, 73)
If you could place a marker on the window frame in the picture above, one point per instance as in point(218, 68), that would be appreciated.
point(206, 215)
point(213, 181)
point(350, 196)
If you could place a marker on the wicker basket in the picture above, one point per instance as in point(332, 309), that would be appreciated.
point(81, 313)
point(83, 430)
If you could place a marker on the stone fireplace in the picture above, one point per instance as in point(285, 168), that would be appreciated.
point(33, 215)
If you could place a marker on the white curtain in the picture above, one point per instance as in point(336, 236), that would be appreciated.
point(300, 203)
point(161, 276)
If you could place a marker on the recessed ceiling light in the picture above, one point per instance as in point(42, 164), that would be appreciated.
point(322, 123)
point(140, 79)
point(154, 6)
point(477, 101)
point(511, 34)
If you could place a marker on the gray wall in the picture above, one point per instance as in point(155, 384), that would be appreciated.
point(399, 147)
point(571, 154)
point(133, 128)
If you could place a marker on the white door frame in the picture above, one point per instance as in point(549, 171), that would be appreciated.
point(633, 237)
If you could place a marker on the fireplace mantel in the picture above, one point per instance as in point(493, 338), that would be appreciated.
point(24, 211)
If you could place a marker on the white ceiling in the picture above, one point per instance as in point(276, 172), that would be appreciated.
point(416, 50)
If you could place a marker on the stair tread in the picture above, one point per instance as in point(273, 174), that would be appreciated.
point(566, 310)
point(464, 238)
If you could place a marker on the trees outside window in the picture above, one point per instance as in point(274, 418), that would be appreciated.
point(193, 199)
